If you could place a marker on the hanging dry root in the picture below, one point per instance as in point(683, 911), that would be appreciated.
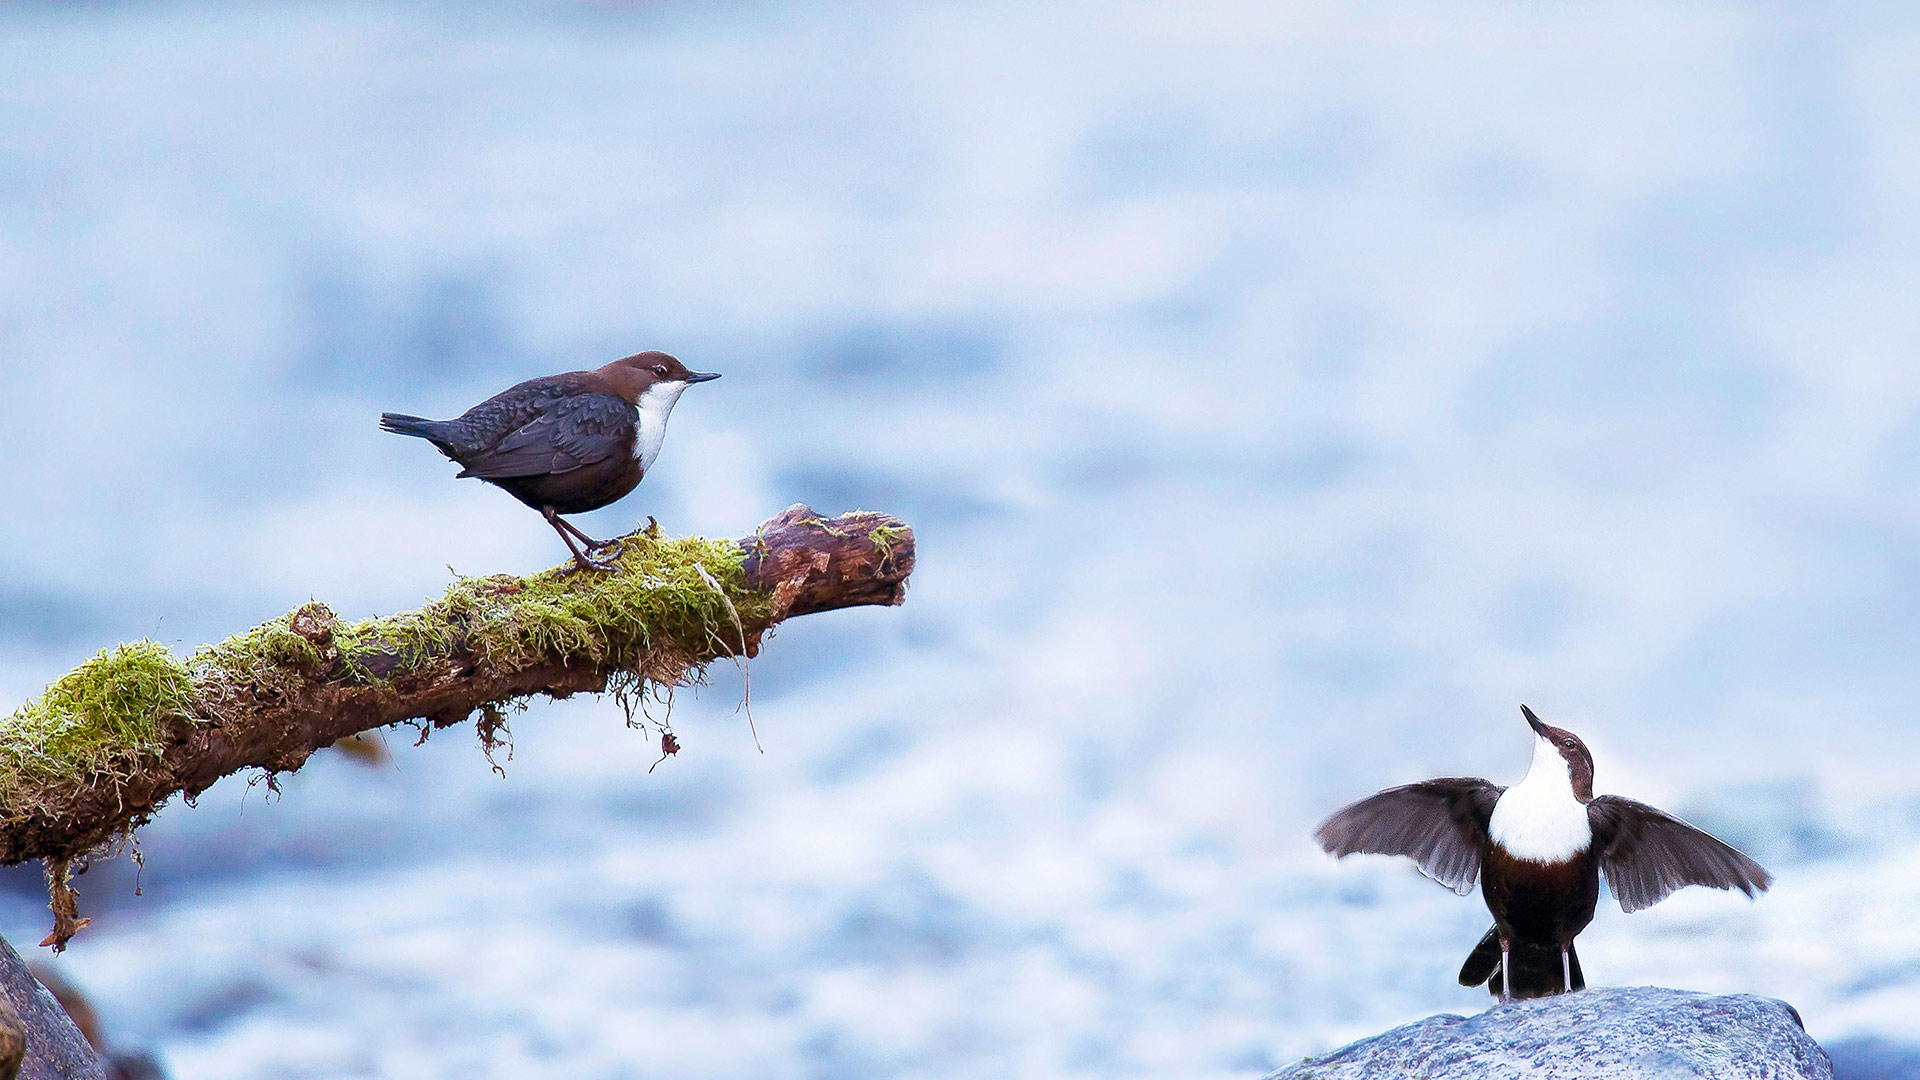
point(65, 902)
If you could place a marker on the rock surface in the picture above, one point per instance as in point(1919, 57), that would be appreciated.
point(55, 1049)
point(1601, 1034)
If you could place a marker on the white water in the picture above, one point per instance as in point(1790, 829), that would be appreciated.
point(1279, 399)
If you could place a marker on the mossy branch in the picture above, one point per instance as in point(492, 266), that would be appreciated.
point(108, 743)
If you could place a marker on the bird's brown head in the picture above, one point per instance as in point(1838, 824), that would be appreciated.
point(1571, 750)
point(632, 376)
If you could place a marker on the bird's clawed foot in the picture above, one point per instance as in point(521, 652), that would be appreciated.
point(583, 561)
point(612, 542)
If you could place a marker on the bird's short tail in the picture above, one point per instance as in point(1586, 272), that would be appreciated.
point(1536, 967)
point(402, 424)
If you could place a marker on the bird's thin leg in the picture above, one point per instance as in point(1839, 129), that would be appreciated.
point(563, 523)
point(1506, 971)
point(590, 543)
point(1566, 972)
point(580, 560)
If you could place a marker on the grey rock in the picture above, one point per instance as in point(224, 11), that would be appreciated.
point(1600, 1034)
point(55, 1048)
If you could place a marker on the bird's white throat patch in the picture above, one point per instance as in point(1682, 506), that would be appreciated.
point(655, 406)
point(1539, 819)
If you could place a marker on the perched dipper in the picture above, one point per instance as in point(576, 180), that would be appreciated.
point(1538, 849)
point(566, 444)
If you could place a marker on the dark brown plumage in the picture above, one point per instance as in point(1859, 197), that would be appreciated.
point(1538, 851)
point(565, 444)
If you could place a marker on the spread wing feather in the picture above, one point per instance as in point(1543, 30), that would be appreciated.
point(1647, 854)
point(567, 433)
point(1440, 824)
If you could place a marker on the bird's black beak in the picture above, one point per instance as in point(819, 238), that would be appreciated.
point(1533, 722)
point(701, 376)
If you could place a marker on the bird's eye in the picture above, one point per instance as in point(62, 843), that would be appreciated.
point(660, 370)
point(1568, 744)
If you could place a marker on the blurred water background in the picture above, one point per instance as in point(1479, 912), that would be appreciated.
point(1281, 394)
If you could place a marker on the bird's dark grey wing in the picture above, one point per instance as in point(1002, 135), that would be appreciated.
point(1648, 854)
point(1440, 824)
point(566, 433)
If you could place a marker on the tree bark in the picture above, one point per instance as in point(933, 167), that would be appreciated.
point(309, 680)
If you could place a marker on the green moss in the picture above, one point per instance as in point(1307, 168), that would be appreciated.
point(269, 644)
point(660, 603)
point(673, 605)
point(98, 719)
point(884, 537)
point(409, 636)
point(269, 657)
